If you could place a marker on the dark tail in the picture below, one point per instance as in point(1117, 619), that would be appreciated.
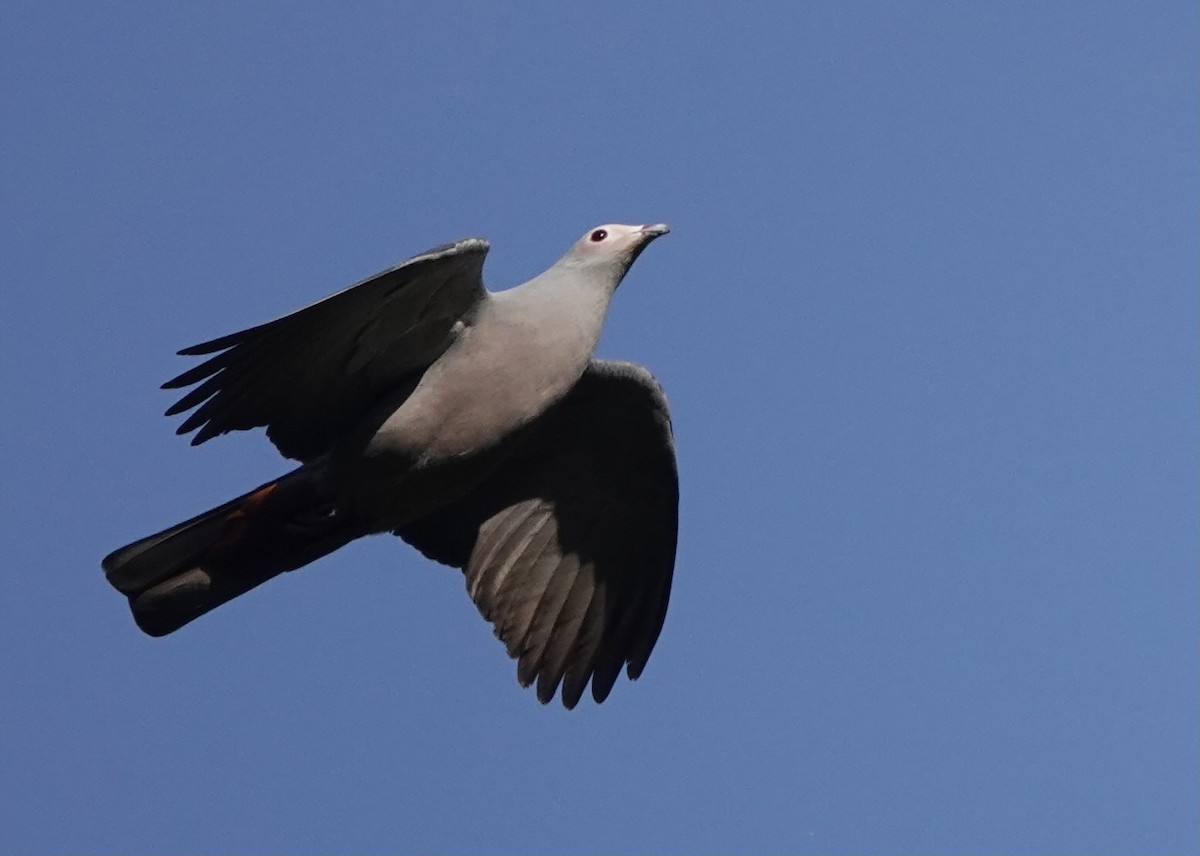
point(185, 571)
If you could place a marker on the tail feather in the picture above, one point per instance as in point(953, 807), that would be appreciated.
point(137, 566)
point(177, 575)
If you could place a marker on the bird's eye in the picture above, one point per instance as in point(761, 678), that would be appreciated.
point(599, 235)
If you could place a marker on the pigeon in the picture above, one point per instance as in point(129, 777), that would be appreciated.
point(475, 425)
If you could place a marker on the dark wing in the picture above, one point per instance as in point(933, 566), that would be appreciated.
point(569, 546)
point(309, 375)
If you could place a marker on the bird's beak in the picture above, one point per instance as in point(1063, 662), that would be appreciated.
point(645, 235)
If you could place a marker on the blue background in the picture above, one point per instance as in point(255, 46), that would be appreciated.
point(928, 323)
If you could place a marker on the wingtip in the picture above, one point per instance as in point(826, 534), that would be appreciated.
point(571, 696)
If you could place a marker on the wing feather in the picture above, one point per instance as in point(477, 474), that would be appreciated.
point(581, 663)
point(310, 375)
point(564, 572)
point(589, 595)
point(566, 631)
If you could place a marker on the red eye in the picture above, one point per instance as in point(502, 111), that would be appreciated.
point(599, 235)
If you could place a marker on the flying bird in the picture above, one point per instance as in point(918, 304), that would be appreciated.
point(475, 425)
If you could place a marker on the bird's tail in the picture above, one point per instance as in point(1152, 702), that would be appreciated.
point(183, 572)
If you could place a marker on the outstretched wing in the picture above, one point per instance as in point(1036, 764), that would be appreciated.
point(569, 547)
point(309, 375)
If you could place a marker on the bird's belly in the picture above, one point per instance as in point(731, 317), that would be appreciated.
point(390, 492)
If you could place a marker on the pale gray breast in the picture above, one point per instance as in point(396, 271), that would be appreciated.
point(520, 356)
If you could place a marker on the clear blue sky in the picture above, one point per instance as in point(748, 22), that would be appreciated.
point(927, 321)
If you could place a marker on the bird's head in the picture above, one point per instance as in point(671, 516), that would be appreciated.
point(613, 247)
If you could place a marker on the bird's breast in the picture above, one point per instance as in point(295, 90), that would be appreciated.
point(451, 428)
point(491, 386)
